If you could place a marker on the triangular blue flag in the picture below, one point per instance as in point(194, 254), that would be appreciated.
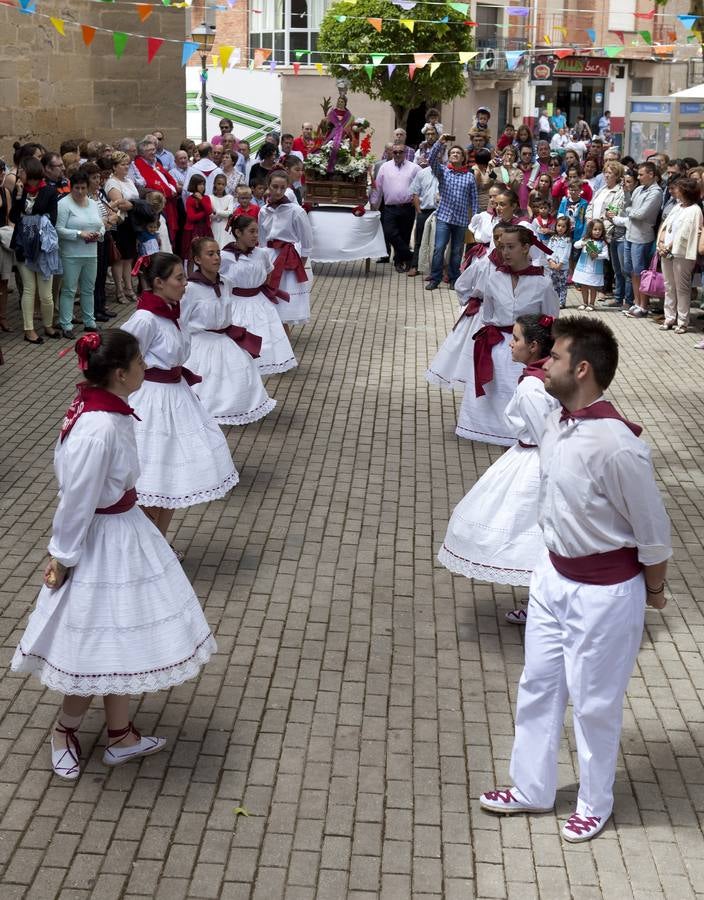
point(592, 34)
point(445, 19)
point(688, 21)
point(513, 57)
point(391, 68)
point(189, 48)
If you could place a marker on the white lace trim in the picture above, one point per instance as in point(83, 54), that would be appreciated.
point(495, 574)
point(246, 418)
point(189, 499)
point(296, 321)
point(469, 434)
point(276, 368)
point(132, 683)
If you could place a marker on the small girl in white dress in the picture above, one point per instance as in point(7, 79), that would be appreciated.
point(246, 268)
point(589, 272)
point(223, 206)
point(183, 455)
point(223, 354)
point(117, 615)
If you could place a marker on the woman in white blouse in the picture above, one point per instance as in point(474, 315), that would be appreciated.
point(678, 241)
point(122, 191)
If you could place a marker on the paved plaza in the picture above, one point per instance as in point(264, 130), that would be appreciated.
point(362, 697)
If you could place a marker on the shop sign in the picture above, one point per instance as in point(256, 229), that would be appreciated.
point(584, 66)
point(541, 69)
point(644, 106)
point(689, 108)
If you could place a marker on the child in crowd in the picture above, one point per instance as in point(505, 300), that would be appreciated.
point(558, 264)
point(157, 202)
point(507, 138)
point(432, 119)
point(589, 271)
point(543, 221)
point(148, 238)
point(294, 170)
point(245, 204)
point(223, 205)
point(259, 192)
point(574, 206)
point(198, 212)
point(481, 123)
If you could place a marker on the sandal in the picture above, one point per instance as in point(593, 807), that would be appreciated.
point(517, 616)
point(667, 326)
point(681, 329)
point(179, 554)
point(118, 756)
point(65, 760)
point(120, 299)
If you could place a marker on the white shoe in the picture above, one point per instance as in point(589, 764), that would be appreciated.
point(65, 759)
point(505, 802)
point(117, 756)
point(582, 828)
point(517, 616)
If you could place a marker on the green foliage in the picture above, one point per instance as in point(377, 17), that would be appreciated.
point(358, 39)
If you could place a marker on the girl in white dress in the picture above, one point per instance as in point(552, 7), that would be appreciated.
point(588, 274)
point(183, 456)
point(117, 615)
point(282, 226)
point(515, 289)
point(493, 533)
point(223, 206)
point(246, 267)
point(223, 354)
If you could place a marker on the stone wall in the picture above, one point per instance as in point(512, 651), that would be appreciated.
point(53, 87)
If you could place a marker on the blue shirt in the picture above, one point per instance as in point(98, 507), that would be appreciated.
point(558, 122)
point(458, 190)
point(166, 158)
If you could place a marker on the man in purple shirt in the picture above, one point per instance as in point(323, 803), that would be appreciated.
point(393, 182)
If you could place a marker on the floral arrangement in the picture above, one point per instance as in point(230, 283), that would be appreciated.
point(352, 163)
point(360, 125)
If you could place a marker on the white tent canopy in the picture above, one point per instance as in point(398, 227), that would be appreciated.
point(693, 93)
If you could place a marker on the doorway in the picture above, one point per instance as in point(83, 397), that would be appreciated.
point(416, 120)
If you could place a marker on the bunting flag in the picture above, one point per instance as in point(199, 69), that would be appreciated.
point(422, 59)
point(411, 71)
point(216, 59)
point(58, 25)
point(225, 54)
point(27, 6)
point(462, 8)
point(296, 68)
point(375, 23)
point(299, 54)
point(665, 49)
point(119, 42)
point(444, 20)
point(144, 10)
point(153, 44)
point(546, 39)
point(261, 54)
point(404, 4)
point(513, 57)
point(592, 34)
point(647, 37)
point(272, 65)
point(563, 54)
point(341, 18)
point(319, 68)
point(434, 66)
point(88, 33)
point(517, 10)
point(410, 24)
point(688, 21)
point(465, 56)
point(648, 15)
point(377, 58)
point(189, 48)
point(613, 51)
point(390, 68)
point(620, 35)
point(562, 30)
point(370, 72)
point(672, 36)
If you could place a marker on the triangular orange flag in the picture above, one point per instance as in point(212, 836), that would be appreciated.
point(88, 34)
point(153, 45)
point(144, 10)
point(562, 54)
point(376, 23)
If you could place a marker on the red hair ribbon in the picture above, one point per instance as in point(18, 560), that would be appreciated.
point(546, 321)
point(358, 211)
point(84, 345)
point(142, 263)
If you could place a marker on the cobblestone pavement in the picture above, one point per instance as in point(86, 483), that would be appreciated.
point(361, 697)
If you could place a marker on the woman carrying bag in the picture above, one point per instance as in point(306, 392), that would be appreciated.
point(677, 244)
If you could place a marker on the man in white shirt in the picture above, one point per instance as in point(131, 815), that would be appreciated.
point(560, 140)
point(544, 130)
point(425, 191)
point(608, 542)
point(205, 167)
point(393, 183)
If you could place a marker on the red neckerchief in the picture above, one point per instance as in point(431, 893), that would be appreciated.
point(543, 224)
point(495, 258)
point(159, 307)
point(535, 370)
point(602, 409)
point(199, 278)
point(34, 190)
point(460, 170)
point(233, 248)
point(529, 270)
point(277, 203)
point(93, 399)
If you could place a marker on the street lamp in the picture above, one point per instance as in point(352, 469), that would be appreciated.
point(204, 36)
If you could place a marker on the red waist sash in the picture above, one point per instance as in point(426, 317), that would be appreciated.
point(125, 503)
point(484, 341)
point(273, 294)
point(252, 343)
point(288, 260)
point(471, 308)
point(612, 567)
point(172, 376)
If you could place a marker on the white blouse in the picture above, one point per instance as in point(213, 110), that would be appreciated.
point(250, 270)
point(528, 409)
point(534, 295)
point(288, 222)
point(202, 309)
point(163, 345)
point(96, 463)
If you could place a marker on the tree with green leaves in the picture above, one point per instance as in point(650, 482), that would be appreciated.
point(346, 37)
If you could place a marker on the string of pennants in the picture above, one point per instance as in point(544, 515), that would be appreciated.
point(420, 60)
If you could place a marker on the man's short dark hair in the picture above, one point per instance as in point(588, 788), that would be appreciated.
point(287, 136)
point(649, 167)
point(591, 341)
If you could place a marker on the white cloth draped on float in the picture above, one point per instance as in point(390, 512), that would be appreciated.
point(455, 357)
point(126, 620)
point(289, 223)
point(482, 418)
point(493, 534)
point(232, 390)
point(183, 456)
point(257, 313)
point(338, 235)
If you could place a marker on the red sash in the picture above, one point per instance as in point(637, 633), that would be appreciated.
point(485, 340)
point(288, 260)
point(157, 178)
point(612, 567)
point(252, 343)
point(125, 503)
point(93, 399)
point(273, 294)
point(172, 376)
point(472, 307)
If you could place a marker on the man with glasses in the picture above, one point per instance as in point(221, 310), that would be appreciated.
point(393, 184)
point(54, 173)
point(226, 126)
point(165, 157)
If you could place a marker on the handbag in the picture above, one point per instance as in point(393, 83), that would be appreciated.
point(114, 255)
point(652, 282)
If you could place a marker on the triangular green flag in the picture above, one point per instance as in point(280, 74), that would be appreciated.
point(299, 54)
point(647, 37)
point(612, 51)
point(377, 58)
point(119, 42)
point(460, 7)
point(370, 71)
